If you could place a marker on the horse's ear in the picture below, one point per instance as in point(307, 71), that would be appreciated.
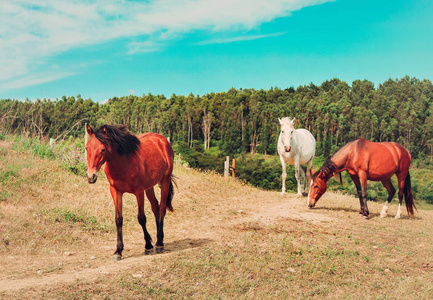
point(89, 130)
point(338, 177)
point(281, 122)
point(312, 172)
point(104, 130)
point(293, 121)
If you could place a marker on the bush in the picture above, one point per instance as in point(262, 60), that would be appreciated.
point(264, 172)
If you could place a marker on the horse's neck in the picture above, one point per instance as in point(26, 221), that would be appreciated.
point(119, 164)
point(340, 159)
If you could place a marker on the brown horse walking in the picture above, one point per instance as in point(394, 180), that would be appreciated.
point(133, 165)
point(365, 160)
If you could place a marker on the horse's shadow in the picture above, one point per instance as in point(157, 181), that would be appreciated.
point(371, 216)
point(175, 246)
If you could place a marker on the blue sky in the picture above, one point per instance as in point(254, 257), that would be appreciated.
point(102, 49)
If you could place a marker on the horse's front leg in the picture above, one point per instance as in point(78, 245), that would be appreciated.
point(307, 176)
point(302, 180)
point(117, 198)
point(283, 175)
point(363, 181)
point(357, 183)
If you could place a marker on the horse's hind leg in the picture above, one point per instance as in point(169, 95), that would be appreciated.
point(165, 191)
point(150, 193)
point(391, 192)
point(142, 220)
point(307, 176)
point(400, 194)
point(298, 175)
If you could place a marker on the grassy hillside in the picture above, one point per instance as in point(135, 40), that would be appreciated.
point(225, 240)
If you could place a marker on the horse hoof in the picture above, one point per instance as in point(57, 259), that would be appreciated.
point(148, 251)
point(159, 249)
point(305, 194)
point(397, 217)
point(383, 215)
point(116, 257)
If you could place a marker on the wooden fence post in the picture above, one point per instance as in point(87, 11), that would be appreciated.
point(233, 167)
point(227, 166)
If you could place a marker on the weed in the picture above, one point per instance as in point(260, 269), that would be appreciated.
point(65, 215)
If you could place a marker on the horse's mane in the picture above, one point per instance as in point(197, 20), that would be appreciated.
point(328, 168)
point(118, 138)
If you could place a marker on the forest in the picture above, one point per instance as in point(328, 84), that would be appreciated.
point(244, 122)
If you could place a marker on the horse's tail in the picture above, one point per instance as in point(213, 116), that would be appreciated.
point(408, 196)
point(171, 193)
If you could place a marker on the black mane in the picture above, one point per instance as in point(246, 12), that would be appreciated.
point(327, 169)
point(118, 138)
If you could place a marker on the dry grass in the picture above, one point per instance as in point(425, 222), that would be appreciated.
point(225, 240)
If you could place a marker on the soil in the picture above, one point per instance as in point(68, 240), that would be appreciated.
point(86, 264)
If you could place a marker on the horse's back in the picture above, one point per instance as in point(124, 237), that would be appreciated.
point(307, 144)
point(156, 149)
point(381, 157)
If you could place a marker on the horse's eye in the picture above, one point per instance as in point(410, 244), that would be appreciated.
point(282, 131)
point(103, 150)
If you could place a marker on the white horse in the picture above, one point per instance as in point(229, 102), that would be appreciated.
point(296, 147)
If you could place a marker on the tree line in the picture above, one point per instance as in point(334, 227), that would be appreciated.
point(246, 120)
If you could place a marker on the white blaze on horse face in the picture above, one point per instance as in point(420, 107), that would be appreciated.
point(96, 153)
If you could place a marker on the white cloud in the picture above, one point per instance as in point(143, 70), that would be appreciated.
point(33, 79)
point(240, 38)
point(32, 31)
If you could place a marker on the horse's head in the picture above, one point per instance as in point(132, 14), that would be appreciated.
point(287, 128)
point(96, 155)
point(317, 187)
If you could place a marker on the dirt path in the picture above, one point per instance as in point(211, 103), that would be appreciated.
point(212, 228)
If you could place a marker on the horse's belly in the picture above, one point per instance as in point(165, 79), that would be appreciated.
point(379, 176)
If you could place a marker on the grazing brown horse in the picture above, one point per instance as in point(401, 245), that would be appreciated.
point(365, 160)
point(133, 165)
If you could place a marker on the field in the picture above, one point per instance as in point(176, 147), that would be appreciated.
point(225, 240)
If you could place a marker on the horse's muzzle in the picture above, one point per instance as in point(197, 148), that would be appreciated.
point(92, 179)
point(311, 205)
point(288, 149)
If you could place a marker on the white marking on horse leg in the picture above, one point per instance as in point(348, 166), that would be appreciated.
point(398, 215)
point(384, 212)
